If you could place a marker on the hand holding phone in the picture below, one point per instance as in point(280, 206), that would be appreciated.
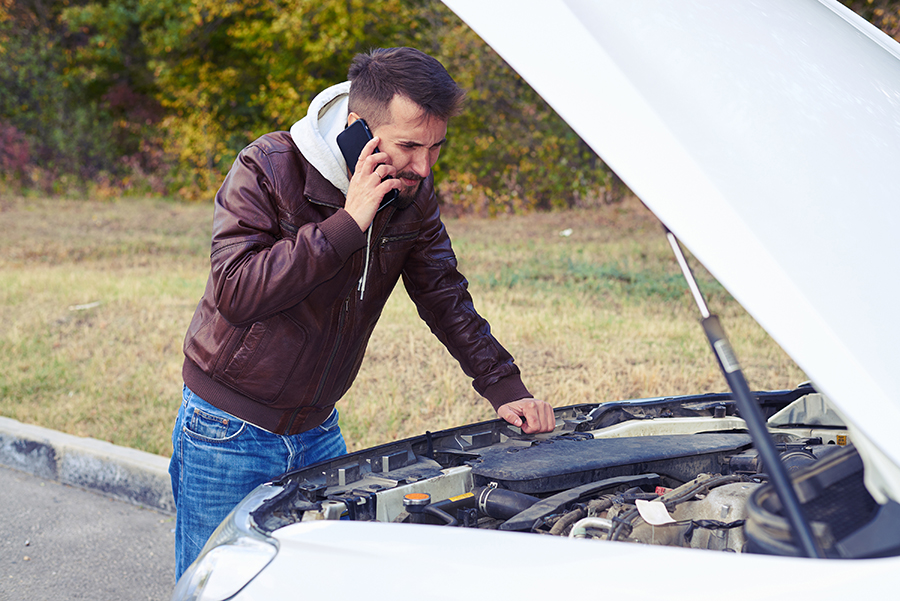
point(351, 141)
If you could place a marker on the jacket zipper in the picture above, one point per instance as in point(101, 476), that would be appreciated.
point(345, 310)
point(398, 238)
point(342, 318)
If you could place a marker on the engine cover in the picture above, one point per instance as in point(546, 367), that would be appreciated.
point(562, 463)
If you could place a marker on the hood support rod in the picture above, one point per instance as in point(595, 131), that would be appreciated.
point(750, 412)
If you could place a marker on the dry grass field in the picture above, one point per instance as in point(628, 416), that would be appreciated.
point(95, 298)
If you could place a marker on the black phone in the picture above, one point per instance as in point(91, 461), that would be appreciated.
point(351, 142)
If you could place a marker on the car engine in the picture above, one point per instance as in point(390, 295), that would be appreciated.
point(678, 471)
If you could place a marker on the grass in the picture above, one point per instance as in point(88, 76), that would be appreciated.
point(95, 298)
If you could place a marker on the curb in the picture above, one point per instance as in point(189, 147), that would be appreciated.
point(126, 474)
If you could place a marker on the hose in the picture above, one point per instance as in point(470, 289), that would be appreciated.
point(567, 520)
point(580, 528)
point(681, 494)
point(503, 504)
point(442, 515)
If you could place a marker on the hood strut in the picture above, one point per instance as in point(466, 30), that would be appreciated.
point(750, 411)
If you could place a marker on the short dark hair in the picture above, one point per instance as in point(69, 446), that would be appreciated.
point(379, 75)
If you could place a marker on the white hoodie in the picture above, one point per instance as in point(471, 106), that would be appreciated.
point(316, 134)
point(316, 137)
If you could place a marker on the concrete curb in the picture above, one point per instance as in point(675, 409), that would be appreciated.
point(126, 474)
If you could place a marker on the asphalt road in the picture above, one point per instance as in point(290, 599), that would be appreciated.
point(60, 542)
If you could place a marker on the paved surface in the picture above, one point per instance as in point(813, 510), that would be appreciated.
point(82, 519)
point(63, 542)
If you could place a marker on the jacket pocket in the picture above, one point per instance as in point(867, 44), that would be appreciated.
point(265, 359)
point(394, 246)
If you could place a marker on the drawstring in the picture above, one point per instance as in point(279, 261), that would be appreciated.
point(365, 274)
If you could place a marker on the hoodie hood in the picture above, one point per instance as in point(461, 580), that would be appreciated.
point(316, 137)
point(316, 134)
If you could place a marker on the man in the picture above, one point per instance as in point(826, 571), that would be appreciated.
point(302, 263)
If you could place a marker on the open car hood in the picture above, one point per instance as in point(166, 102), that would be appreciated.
point(766, 136)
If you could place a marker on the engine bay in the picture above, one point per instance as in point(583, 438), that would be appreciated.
point(678, 471)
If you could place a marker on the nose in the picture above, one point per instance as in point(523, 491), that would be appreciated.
point(421, 162)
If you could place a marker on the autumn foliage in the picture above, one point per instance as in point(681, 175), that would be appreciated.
point(118, 97)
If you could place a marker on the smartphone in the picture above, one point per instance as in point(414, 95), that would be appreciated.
point(351, 142)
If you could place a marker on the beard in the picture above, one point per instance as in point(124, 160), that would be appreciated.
point(408, 193)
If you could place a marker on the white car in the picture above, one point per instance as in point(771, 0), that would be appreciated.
point(766, 136)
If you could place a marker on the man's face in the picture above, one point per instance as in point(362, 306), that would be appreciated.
point(413, 144)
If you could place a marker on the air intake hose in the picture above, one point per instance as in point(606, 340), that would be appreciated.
point(503, 504)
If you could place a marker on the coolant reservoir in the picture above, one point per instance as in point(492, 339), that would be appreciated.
point(722, 507)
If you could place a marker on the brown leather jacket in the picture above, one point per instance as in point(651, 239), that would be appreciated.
point(280, 332)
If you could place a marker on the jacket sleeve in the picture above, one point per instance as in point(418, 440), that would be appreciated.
point(442, 299)
point(256, 271)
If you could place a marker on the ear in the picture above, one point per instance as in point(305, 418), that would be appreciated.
point(351, 118)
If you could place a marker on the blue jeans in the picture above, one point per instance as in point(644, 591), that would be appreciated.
point(218, 459)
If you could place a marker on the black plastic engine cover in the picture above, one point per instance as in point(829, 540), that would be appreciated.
point(559, 464)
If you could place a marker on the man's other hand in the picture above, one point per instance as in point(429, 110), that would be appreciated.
point(532, 415)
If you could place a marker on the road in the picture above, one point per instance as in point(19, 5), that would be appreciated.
point(60, 542)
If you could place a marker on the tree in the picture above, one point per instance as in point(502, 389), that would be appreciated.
point(229, 71)
point(509, 151)
point(160, 95)
point(883, 14)
point(70, 97)
point(187, 84)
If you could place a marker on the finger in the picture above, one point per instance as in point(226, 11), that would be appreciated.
point(371, 156)
point(508, 414)
point(386, 170)
point(539, 417)
point(532, 423)
point(520, 414)
point(368, 150)
point(386, 186)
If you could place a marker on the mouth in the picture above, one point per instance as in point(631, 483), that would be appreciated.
point(411, 184)
point(410, 180)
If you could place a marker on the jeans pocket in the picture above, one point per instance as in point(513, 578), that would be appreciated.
point(213, 427)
